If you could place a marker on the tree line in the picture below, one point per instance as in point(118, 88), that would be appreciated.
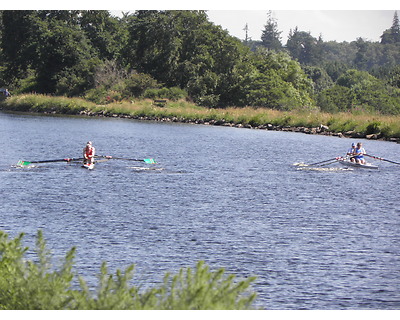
point(360, 75)
point(178, 54)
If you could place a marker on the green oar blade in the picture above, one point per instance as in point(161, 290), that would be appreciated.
point(149, 160)
point(23, 163)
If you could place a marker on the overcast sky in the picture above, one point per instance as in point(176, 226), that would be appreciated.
point(335, 25)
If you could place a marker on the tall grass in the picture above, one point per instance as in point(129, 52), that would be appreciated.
point(386, 126)
point(48, 104)
point(37, 285)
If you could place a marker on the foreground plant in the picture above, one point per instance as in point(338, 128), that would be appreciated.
point(33, 285)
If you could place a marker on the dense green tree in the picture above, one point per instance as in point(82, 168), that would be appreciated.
point(340, 53)
point(106, 34)
point(182, 48)
point(303, 47)
point(335, 69)
point(392, 35)
point(359, 89)
point(62, 52)
point(18, 46)
point(391, 75)
point(361, 59)
point(271, 36)
point(319, 76)
point(336, 99)
point(51, 46)
point(279, 82)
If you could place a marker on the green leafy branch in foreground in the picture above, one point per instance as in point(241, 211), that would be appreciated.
point(32, 285)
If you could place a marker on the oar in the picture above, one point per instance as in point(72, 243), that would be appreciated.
point(336, 160)
point(379, 158)
point(27, 163)
point(313, 164)
point(129, 159)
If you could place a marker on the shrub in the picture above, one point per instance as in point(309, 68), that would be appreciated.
point(28, 285)
point(32, 285)
point(373, 127)
point(97, 95)
point(174, 93)
point(137, 84)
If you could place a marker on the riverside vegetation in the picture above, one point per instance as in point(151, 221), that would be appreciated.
point(36, 285)
point(118, 65)
point(92, 63)
point(170, 53)
point(356, 123)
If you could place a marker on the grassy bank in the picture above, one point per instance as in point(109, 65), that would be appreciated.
point(348, 124)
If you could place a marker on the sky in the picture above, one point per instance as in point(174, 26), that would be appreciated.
point(339, 20)
point(332, 25)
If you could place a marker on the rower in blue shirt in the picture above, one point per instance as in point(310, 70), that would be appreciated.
point(359, 153)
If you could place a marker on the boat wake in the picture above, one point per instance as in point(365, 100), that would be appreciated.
point(30, 166)
point(300, 164)
point(305, 167)
point(140, 169)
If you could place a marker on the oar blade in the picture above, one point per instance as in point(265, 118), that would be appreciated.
point(149, 161)
point(22, 163)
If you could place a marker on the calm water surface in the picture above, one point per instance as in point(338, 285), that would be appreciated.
point(232, 197)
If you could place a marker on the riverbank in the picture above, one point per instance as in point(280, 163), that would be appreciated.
point(363, 126)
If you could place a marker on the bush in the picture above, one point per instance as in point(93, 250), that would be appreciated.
point(373, 127)
point(137, 84)
point(173, 94)
point(97, 95)
point(29, 285)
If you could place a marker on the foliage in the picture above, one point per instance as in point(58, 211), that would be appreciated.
point(336, 99)
point(34, 285)
point(392, 35)
point(173, 93)
point(303, 47)
point(359, 88)
point(279, 82)
point(202, 289)
point(183, 49)
point(271, 37)
point(44, 103)
point(137, 83)
point(320, 78)
point(30, 285)
point(149, 53)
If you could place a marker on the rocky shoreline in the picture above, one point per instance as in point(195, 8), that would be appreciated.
point(320, 130)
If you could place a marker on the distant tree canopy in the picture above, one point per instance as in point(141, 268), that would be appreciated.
point(181, 54)
point(326, 62)
point(358, 90)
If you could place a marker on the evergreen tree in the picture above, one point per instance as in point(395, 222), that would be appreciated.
point(361, 59)
point(392, 35)
point(270, 37)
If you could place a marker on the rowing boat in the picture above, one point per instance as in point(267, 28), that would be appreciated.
point(88, 166)
point(348, 163)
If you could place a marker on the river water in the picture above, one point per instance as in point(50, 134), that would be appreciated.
point(315, 239)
